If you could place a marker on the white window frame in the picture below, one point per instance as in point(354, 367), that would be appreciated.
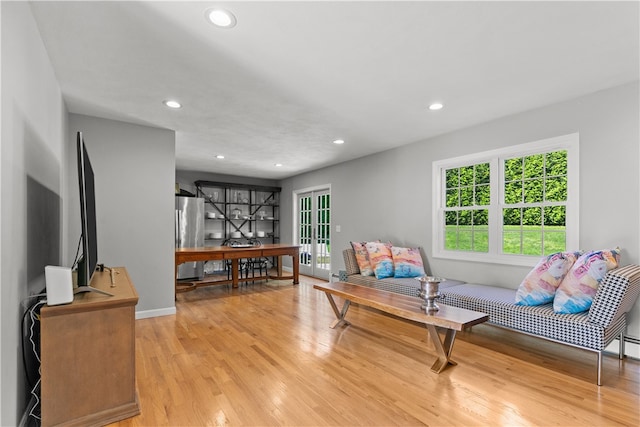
point(496, 159)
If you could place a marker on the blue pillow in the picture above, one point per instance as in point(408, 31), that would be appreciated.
point(407, 262)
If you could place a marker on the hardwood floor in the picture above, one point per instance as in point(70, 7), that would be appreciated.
point(265, 355)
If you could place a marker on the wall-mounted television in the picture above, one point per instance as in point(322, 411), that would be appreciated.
point(89, 240)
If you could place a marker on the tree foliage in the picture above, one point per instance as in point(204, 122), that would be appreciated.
point(468, 186)
point(532, 180)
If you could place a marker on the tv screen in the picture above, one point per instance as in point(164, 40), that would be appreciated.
point(87, 266)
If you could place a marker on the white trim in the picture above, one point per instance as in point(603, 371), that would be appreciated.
point(294, 205)
point(314, 188)
point(295, 210)
point(495, 157)
point(155, 313)
point(631, 350)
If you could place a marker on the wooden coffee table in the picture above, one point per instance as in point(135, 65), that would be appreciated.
point(450, 319)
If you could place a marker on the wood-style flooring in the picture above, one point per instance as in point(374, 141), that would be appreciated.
point(264, 355)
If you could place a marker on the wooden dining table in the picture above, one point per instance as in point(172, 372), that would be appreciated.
point(235, 254)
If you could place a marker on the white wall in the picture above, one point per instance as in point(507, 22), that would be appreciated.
point(134, 168)
point(134, 180)
point(388, 196)
point(34, 121)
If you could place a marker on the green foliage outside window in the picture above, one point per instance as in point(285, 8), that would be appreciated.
point(323, 217)
point(537, 184)
point(534, 216)
point(468, 192)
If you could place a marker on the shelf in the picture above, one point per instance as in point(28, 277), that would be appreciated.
point(257, 207)
point(234, 186)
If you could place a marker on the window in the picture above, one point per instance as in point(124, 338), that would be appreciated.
point(534, 208)
point(508, 206)
point(466, 212)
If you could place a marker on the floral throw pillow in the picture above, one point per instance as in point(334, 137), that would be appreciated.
point(540, 285)
point(381, 259)
point(407, 262)
point(362, 258)
point(575, 293)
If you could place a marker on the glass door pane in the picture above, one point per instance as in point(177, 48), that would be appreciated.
point(323, 233)
point(305, 232)
point(314, 233)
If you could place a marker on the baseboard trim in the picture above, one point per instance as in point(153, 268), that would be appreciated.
point(631, 347)
point(155, 313)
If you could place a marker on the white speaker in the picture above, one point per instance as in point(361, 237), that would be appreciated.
point(59, 285)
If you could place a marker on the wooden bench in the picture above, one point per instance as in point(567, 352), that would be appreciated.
point(450, 319)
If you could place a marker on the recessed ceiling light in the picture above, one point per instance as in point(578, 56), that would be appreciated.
point(339, 141)
point(172, 104)
point(278, 165)
point(221, 18)
point(435, 106)
point(219, 156)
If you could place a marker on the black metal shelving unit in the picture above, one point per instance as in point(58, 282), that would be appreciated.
point(240, 211)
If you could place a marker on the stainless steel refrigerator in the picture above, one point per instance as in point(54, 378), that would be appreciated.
point(190, 233)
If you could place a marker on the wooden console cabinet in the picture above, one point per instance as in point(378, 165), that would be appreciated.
point(88, 356)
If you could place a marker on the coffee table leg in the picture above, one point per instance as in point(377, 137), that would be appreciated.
point(443, 348)
point(339, 314)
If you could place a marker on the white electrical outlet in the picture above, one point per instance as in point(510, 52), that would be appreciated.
point(338, 228)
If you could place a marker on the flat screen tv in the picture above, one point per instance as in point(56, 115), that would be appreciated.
point(89, 241)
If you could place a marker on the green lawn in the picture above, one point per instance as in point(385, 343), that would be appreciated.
point(527, 240)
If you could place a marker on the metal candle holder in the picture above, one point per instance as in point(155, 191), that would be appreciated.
point(429, 292)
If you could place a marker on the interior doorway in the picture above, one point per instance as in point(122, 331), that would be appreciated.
point(312, 231)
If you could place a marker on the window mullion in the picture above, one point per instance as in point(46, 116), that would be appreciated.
point(439, 204)
point(495, 208)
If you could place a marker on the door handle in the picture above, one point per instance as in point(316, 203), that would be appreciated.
point(177, 227)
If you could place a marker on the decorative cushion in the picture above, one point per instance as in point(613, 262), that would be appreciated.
point(576, 291)
point(362, 258)
point(381, 259)
point(540, 285)
point(407, 262)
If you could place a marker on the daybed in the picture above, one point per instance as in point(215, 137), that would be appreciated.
point(406, 286)
point(592, 330)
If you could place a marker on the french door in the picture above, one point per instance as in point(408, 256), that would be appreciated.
point(314, 233)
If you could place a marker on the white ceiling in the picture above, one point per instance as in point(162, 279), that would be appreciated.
point(291, 77)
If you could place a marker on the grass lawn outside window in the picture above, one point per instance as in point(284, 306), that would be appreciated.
point(526, 240)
